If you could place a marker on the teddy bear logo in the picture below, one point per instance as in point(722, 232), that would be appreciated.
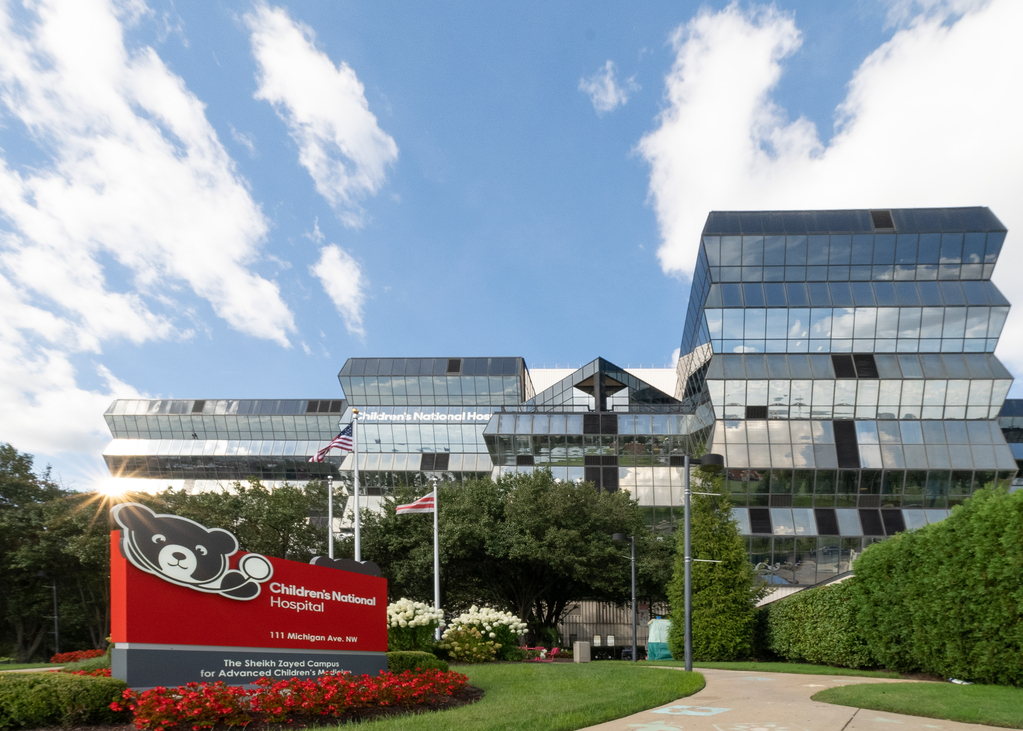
point(186, 553)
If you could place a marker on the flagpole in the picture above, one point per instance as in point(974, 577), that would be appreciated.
point(355, 452)
point(330, 515)
point(436, 556)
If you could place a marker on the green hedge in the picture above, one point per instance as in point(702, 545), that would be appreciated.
point(948, 599)
point(818, 626)
point(402, 660)
point(35, 700)
point(93, 663)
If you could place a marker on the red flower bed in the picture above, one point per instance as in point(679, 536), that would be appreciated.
point(97, 673)
point(66, 657)
point(204, 705)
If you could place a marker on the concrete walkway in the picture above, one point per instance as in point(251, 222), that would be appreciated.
point(736, 701)
point(47, 669)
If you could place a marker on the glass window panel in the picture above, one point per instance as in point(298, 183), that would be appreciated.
point(712, 246)
point(892, 490)
point(905, 249)
point(755, 324)
point(752, 251)
point(774, 250)
point(795, 250)
point(866, 318)
point(936, 493)
point(841, 295)
point(820, 295)
point(909, 322)
point(753, 294)
point(781, 521)
point(862, 249)
point(731, 250)
point(951, 248)
point(842, 322)
point(820, 323)
point(931, 322)
point(796, 294)
point(799, 323)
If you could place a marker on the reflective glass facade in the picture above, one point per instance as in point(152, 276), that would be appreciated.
point(847, 356)
point(841, 361)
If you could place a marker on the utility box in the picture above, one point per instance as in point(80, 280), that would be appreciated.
point(580, 652)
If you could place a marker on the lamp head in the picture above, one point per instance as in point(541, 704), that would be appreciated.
point(712, 463)
point(619, 538)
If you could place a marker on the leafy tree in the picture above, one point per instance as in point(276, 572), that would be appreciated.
point(271, 522)
point(48, 536)
point(723, 594)
point(527, 543)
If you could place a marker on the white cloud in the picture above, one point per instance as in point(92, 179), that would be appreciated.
point(245, 140)
point(930, 119)
point(128, 181)
point(325, 109)
point(341, 278)
point(604, 91)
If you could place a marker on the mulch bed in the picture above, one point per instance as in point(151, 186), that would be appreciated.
point(470, 695)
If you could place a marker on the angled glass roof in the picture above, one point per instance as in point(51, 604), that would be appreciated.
point(616, 380)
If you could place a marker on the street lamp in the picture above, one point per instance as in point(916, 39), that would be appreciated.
point(56, 624)
point(620, 538)
point(708, 463)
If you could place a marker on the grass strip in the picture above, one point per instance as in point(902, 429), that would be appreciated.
point(773, 667)
point(992, 705)
point(551, 697)
point(27, 665)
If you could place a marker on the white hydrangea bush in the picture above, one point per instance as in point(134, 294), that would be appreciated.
point(411, 625)
point(502, 628)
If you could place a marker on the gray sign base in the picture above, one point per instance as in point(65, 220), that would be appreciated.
point(147, 666)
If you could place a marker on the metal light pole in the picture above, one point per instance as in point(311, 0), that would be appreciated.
point(436, 555)
point(56, 623)
point(709, 463)
point(620, 538)
point(355, 479)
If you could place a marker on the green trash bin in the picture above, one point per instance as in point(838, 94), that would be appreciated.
point(657, 641)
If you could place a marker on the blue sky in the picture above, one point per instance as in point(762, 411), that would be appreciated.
point(228, 199)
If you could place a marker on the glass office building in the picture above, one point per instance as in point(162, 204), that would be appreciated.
point(841, 361)
point(848, 358)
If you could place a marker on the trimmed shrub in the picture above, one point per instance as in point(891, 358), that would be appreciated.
point(34, 700)
point(948, 599)
point(483, 633)
point(400, 661)
point(411, 625)
point(818, 626)
point(94, 663)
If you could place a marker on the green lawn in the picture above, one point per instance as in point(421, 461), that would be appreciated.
point(26, 665)
point(992, 705)
point(552, 697)
point(773, 667)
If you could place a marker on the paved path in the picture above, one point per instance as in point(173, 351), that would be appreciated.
point(736, 701)
point(47, 669)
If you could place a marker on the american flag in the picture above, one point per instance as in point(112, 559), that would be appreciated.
point(341, 441)
point(422, 505)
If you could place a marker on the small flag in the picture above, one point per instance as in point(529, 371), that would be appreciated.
point(422, 505)
point(341, 441)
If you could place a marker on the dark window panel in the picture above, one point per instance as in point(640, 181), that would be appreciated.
point(870, 521)
point(846, 445)
point(197, 406)
point(760, 521)
point(524, 460)
point(865, 365)
point(843, 365)
point(827, 521)
point(454, 366)
point(893, 521)
point(756, 412)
